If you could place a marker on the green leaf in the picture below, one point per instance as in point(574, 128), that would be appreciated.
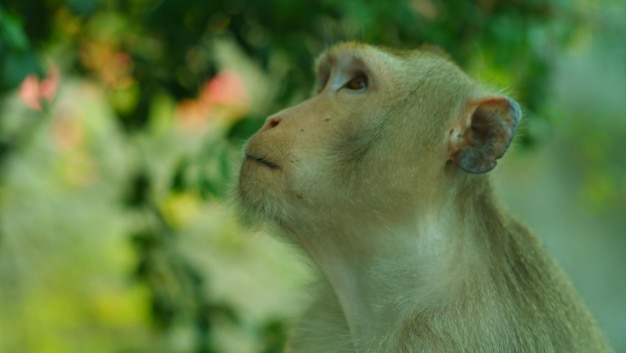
point(224, 163)
point(16, 67)
point(138, 190)
point(179, 180)
point(11, 32)
point(83, 7)
point(207, 189)
point(244, 128)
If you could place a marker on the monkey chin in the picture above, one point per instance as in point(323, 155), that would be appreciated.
point(260, 190)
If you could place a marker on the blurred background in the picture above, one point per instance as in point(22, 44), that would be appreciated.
point(122, 121)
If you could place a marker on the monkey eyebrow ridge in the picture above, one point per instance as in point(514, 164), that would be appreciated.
point(341, 58)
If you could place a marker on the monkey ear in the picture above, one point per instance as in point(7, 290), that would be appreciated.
point(483, 133)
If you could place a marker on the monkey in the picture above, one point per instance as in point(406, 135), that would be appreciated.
point(382, 179)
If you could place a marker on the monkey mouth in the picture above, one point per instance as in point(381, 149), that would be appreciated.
point(262, 161)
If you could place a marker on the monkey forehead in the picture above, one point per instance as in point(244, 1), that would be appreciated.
point(387, 60)
point(365, 55)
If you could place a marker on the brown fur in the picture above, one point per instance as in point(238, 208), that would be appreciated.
point(379, 178)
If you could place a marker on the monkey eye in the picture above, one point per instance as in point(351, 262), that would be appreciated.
point(357, 83)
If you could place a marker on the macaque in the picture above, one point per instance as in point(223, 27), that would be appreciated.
point(381, 179)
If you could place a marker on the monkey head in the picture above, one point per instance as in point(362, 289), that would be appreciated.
point(385, 132)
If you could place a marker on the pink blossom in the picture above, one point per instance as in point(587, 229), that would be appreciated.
point(224, 98)
point(34, 91)
point(226, 88)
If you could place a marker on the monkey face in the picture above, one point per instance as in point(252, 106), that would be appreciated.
point(316, 155)
point(377, 138)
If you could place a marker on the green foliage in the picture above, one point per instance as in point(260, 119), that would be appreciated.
point(169, 42)
point(17, 59)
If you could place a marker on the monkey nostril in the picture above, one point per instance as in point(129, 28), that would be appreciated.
point(272, 123)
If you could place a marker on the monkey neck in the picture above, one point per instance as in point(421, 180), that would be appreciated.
point(427, 263)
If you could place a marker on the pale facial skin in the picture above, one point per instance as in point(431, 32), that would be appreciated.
point(380, 179)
